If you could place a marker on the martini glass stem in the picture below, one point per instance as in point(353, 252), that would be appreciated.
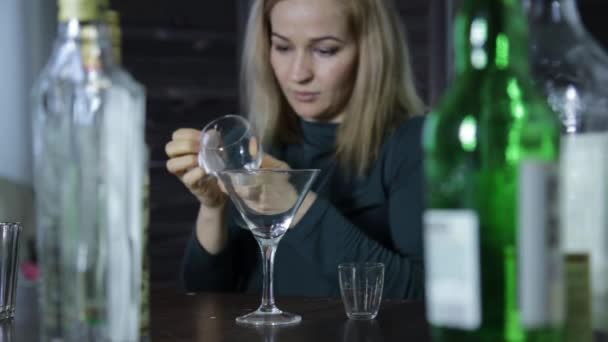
point(268, 247)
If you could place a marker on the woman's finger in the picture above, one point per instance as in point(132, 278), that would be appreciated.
point(175, 148)
point(182, 164)
point(253, 147)
point(186, 134)
point(192, 177)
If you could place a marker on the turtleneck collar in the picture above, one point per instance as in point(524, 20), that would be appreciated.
point(319, 134)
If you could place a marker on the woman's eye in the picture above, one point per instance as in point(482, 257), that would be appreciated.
point(326, 52)
point(281, 48)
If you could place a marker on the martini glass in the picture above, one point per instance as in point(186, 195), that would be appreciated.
point(268, 199)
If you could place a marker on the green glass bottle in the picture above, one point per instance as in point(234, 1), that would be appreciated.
point(493, 271)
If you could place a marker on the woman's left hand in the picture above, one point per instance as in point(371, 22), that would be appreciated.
point(269, 162)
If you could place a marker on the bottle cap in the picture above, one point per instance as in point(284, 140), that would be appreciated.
point(82, 10)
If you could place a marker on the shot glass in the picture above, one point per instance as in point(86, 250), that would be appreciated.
point(361, 287)
point(9, 251)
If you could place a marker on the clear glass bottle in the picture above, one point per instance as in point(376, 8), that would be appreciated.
point(89, 155)
point(113, 20)
point(572, 70)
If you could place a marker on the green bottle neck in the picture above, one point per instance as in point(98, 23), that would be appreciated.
point(491, 34)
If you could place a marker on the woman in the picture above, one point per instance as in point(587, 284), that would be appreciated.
point(331, 87)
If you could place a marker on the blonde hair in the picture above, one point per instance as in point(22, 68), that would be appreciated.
point(383, 94)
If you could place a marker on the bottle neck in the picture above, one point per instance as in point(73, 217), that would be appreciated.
point(93, 41)
point(112, 18)
point(83, 10)
point(491, 34)
point(553, 11)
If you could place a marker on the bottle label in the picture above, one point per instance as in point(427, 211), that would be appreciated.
point(539, 260)
point(451, 247)
point(584, 215)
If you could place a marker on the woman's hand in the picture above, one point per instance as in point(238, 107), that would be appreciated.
point(183, 151)
point(287, 191)
point(269, 162)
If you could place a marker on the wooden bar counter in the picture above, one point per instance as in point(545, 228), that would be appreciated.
point(209, 317)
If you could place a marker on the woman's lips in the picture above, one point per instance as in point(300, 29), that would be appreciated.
point(305, 96)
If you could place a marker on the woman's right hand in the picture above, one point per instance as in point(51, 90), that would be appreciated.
point(183, 151)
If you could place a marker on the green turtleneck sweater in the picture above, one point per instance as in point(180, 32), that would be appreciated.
point(376, 218)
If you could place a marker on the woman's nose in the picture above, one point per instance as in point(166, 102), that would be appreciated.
point(302, 69)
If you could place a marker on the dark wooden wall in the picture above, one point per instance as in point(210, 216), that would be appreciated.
point(186, 54)
point(594, 18)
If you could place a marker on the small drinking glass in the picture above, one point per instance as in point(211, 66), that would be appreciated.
point(9, 252)
point(229, 142)
point(361, 287)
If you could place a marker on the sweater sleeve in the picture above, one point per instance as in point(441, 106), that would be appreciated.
point(202, 271)
point(335, 239)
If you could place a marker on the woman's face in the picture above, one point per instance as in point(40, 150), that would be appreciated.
point(314, 56)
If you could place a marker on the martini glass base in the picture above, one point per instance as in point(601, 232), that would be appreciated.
point(275, 318)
